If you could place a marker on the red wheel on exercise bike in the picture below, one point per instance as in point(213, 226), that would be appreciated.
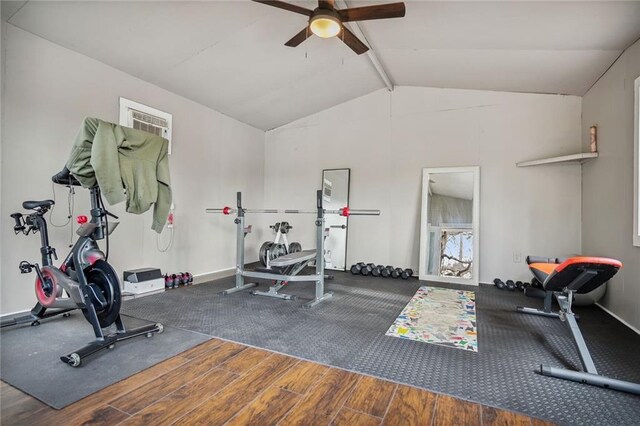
point(104, 292)
point(47, 292)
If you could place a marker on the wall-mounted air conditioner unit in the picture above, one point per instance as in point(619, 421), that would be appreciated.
point(146, 118)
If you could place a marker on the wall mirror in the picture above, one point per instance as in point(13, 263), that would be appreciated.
point(449, 237)
point(335, 195)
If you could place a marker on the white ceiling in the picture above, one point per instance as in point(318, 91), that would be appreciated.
point(230, 55)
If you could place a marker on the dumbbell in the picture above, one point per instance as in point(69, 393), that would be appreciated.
point(376, 271)
point(357, 268)
point(511, 286)
point(535, 283)
point(174, 280)
point(187, 278)
point(386, 271)
point(499, 283)
point(519, 285)
point(366, 269)
point(406, 274)
point(396, 273)
point(180, 279)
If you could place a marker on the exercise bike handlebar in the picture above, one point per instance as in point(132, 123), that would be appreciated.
point(345, 211)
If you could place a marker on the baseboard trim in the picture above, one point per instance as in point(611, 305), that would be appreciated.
point(618, 318)
point(213, 275)
point(197, 279)
point(12, 314)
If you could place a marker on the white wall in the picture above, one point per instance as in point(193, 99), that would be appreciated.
point(3, 222)
point(48, 91)
point(607, 194)
point(387, 138)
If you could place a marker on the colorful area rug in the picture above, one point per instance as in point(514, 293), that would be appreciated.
point(441, 316)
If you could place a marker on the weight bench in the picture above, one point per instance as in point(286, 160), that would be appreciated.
point(579, 275)
point(284, 269)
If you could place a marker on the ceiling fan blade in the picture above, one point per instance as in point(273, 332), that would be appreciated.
point(286, 6)
point(365, 13)
point(326, 4)
point(352, 41)
point(299, 38)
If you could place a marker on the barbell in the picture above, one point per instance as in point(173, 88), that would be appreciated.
point(344, 211)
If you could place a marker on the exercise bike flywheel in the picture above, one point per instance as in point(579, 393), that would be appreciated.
point(104, 293)
point(49, 290)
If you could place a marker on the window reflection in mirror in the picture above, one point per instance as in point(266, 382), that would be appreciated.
point(448, 244)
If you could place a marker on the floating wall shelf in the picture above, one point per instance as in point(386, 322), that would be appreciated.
point(564, 159)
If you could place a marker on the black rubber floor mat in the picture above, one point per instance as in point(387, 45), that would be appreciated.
point(30, 357)
point(348, 331)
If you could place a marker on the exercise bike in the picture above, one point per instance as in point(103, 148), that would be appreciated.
point(90, 283)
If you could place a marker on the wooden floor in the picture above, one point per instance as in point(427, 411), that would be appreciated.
point(221, 382)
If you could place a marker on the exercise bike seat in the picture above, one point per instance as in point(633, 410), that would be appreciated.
point(32, 205)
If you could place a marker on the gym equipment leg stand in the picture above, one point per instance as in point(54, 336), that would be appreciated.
point(240, 235)
point(34, 317)
point(590, 374)
point(107, 342)
point(320, 293)
point(279, 284)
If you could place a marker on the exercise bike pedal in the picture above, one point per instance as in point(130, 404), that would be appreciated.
point(26, 267)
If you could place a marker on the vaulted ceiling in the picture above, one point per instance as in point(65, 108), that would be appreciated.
point(230, 55)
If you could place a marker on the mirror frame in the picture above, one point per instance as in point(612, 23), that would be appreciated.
point(424, 241)
point(346, 238)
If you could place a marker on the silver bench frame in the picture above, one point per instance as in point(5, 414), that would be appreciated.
point(590, 374)
point(292, 274)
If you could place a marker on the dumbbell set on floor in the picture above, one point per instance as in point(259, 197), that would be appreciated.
point(516, 285)
point(366, 269)
point(176, 280)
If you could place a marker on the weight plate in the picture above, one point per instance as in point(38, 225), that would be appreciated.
point(262, 254)
point(295, 247)
point(277, 250)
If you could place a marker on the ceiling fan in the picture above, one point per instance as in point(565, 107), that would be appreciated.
point(326, 21)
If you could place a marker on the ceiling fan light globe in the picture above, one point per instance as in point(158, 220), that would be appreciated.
point(325, 26)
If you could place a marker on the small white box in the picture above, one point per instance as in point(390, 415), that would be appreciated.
point(155, 286)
